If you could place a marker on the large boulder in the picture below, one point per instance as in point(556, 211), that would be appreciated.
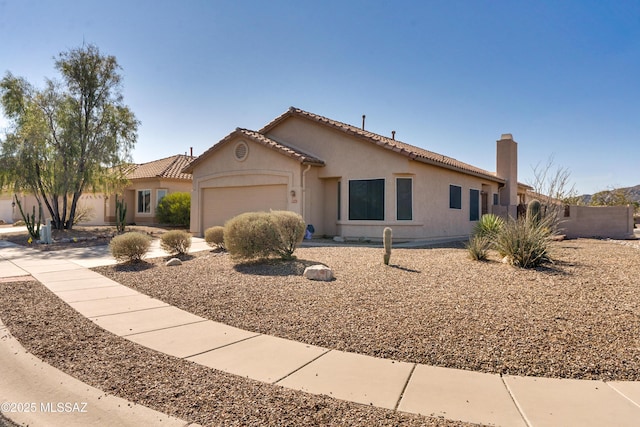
point(318, 272)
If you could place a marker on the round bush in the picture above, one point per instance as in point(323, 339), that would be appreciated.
point(214, 236)
point(291, 228)
point(250, 235)
point(176, 242)
point(175, 209)
point(130, 246)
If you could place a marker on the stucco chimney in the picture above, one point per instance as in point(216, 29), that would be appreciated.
point(507, 169)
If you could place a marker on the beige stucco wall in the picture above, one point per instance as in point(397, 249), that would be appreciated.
point(262, 166)
point(348, 159)
point(615, 222)
point(90, 202)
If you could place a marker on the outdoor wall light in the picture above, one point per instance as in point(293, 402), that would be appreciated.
point(293, 193)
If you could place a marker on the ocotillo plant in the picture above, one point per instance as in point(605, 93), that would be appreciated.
point(121, 215)
point(386, 240)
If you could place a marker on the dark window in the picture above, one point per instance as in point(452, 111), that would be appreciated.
point(404, 199)
point(366, 199)
point(339, 200)
point(144, 201)
point(474, 205)
point(455, 197)
point(495, 198)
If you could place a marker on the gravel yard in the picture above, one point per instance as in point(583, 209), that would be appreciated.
point(578, 318)
point(56, 333)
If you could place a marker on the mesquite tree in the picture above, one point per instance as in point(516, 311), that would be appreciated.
point(70, 137)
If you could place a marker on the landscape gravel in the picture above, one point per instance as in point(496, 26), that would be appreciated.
point(576, 318)
point(53, 331)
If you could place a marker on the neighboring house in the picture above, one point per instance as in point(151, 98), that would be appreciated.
point(148, 184)
point(348, 182)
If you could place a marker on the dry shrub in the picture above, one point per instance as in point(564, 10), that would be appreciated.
point(263, 234)
point(130, 246)
point(176, 242)
point(214, 236)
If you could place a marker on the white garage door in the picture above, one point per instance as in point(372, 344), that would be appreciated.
point(221, 204)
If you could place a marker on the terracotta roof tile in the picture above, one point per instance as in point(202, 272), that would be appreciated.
point(408, 150)
point(257, 137)
point(169, 168)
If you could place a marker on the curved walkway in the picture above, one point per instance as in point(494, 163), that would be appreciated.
point(453, 394)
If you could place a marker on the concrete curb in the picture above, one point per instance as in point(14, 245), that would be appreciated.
point(34, 393)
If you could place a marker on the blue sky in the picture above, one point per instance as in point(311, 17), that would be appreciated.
point(449, 76)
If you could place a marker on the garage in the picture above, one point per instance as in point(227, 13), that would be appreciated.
point(223, 203)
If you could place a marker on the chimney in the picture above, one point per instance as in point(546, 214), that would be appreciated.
point(393, 135)
point(507, 169)
point(363, 117)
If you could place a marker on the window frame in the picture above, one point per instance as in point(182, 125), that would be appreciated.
point(372, 212)
point(398, 201)
point(138, 200)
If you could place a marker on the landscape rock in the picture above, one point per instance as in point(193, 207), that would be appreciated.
point(318, 272)
point(339, 239)
point(173, 261)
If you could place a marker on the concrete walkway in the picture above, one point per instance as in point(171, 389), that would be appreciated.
point(453, 394)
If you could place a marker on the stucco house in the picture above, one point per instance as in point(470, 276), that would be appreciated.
point(348, 182)
point(148, 184)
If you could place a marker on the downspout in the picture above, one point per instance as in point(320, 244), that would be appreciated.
point(304, 192)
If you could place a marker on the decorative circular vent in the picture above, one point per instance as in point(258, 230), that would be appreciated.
point(241, 151)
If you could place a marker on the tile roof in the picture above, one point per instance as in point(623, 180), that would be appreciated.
point(294, 153)
point(413, 152)
point(169, 168)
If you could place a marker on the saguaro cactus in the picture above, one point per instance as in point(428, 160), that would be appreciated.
point(386, 239)
point(534, 212)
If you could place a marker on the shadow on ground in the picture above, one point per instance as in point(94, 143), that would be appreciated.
point(275, 267)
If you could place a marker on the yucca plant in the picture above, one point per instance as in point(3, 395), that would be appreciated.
point(525, 243)
point(489, 225)
point(478, 247)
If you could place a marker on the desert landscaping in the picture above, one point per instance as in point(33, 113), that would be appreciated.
point(574, 318)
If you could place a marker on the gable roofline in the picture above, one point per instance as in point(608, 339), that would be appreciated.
point(408, 150)
point(166, 168)
point(291, 152)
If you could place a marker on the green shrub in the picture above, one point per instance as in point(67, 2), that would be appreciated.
point(130, 246)
point(488, 226)
point(261, 234)
point(290, 227)
point(176, 242)
point(478, 247)
point(214, 236)
point(175, 209)
point(525, 243)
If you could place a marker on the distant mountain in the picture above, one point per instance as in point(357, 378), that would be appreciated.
point(633, 193)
